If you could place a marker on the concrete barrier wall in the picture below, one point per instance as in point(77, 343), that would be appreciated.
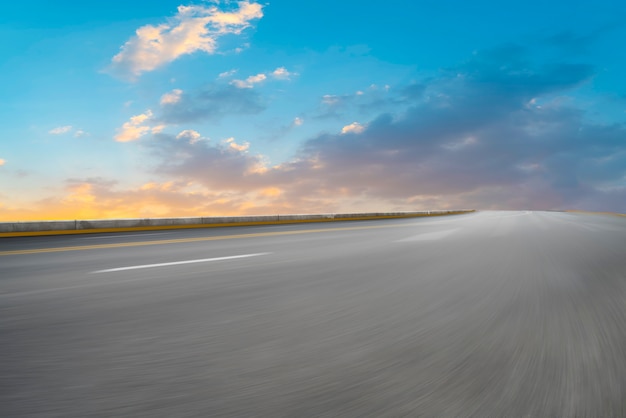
point(135, 223)
point(113, 225)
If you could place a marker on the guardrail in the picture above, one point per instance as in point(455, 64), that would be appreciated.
point(32, 228)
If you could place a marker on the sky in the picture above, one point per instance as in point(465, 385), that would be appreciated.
point(214, 108)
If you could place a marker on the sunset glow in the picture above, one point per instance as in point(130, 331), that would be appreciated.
point(163, 109)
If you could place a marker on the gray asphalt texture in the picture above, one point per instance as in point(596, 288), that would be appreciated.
point(489, 314)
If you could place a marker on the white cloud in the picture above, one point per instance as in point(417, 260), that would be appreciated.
point(256, 78)
point(171, 97)
point(239, 147)
point(329, 99)
point(281, 73)
point(189, 135)
point(249, 82)
point(193, 28)
point(227, 74)
point(354, 127)
point(135, 128)
point(60, 130)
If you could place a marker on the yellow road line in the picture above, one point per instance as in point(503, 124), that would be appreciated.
point(197, 239)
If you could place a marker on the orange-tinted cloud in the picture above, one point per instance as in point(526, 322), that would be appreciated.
point(193, 28)
point(171, 97)
point(99, 199)
point(135, 128)
point(455, 145)
point(249, 82)
point(354, 128)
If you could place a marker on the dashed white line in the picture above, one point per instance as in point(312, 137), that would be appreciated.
point(174, 263)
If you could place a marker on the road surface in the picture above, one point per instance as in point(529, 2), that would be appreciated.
point(489, 314)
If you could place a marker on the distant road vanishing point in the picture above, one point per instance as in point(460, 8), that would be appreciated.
point(487, 314)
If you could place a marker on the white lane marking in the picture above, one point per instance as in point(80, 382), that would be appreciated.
point(83, 285)
point(124, 236)
point(429, 236)
point(174, 263)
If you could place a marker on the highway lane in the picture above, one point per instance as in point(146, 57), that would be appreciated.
point(518, 314)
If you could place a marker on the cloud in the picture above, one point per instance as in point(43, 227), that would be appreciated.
point(227, 74)
point(330, 99)
point(60, 130)
point(271, 192)
point(210, 103)
point(249, 82)
point(177, 106)
point(157, 128)
point(171, 97)
point(491, 133)
point(334, 105)
point(354, 128)
point(365, 102)
point(135, 128)
point(226, 165)
point(189, 135)
point(234, 145)
point(97, 198)
point(193, 28)
point(371, 101)
point(281, 73)
point(471, 137)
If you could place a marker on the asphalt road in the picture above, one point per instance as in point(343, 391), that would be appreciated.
point(490, 314)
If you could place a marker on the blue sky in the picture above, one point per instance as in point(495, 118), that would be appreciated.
point(162, 108)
